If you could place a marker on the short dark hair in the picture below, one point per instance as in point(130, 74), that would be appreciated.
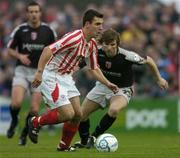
point(33, 3)
point(90, 14)
point(110, 35)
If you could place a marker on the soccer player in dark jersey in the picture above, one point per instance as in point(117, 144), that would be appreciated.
point(26, 44)
point(116, 65)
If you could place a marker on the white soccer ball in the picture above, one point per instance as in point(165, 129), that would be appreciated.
point(106, 143)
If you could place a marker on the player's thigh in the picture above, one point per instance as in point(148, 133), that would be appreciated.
point(20, 85)
point(17, 95)
point(88, 107)
point(116, 104)
point(36, 99)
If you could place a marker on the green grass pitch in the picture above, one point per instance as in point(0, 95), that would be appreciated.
point(139, 145)
point(143, 144)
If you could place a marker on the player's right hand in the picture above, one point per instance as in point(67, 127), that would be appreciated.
point(37, 80)
point(113, 87)
point(24, 59)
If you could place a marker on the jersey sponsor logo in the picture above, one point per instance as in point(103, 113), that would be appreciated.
point(31, 47)
point(111, 73)
point(108, 64)
point(33, 35)
point(25, 30)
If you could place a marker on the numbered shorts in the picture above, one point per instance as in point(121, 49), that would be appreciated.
point(57, 89)
point(100, 94)
point(23, 76)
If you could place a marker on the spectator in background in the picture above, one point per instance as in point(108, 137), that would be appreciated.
point(148, 17)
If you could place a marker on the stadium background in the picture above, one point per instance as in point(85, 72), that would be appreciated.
point(149, 126)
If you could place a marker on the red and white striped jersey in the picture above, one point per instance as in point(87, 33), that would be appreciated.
point(69, 50)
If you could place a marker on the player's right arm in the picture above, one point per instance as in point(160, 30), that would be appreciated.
point(45, 56)
point(13, 43)
point(22, 57)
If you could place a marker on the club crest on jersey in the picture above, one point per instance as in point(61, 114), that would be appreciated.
point(33, 35)
point(108, 64)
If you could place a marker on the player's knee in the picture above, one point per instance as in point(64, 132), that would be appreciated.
point(35, 108)
point(70, 115)
point(78, 115)
point(113, 112)
point(84, 116)
point(16, 103)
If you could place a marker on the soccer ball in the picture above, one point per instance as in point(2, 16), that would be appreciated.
point(106, 143)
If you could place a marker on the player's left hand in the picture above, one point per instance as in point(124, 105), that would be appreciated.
point(162, 83)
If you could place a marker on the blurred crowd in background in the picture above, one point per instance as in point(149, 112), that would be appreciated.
point(147, 28)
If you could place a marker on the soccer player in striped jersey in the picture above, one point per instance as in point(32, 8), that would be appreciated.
point(26, 44)
point(116, 64)
point(54, 75)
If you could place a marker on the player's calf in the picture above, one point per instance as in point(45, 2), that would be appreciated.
point(11, 130)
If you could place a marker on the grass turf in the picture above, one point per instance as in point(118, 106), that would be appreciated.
point(142, 144)
point(131, 145)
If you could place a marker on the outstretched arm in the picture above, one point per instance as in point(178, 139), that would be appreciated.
point(162, 83)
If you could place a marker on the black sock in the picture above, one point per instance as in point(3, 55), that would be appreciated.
point(104, 124)
point(84, 131)
point(14, 111)
point(25, 129)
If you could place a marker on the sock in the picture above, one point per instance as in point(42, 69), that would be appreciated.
point(25, 129)
point(104, 124)
point(69, 130)
point(14, 111)
point(49, 118)
point(84, 131)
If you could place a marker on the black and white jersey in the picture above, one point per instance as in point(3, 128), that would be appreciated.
point(31, 41)
point(118, 69)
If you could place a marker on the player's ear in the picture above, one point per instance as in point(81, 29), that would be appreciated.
point(119, 40)
point(87, 23)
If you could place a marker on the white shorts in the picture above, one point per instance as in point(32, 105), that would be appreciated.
point(23, 77)
point(57, 89)
point(101, 93)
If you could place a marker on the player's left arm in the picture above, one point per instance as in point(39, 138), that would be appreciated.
point(162, 83)
point(137, 59)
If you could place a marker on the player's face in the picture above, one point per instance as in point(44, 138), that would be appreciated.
point(110, 48)
point(34, 14)
point(96, 27)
